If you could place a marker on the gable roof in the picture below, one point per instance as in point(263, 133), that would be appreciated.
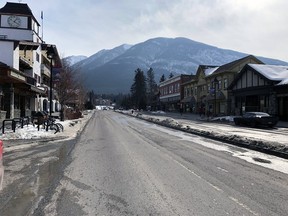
point(206, 69)
point(230, 65)
point(276, 73)
point(272, 72)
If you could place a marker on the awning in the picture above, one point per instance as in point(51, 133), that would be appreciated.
point(11, 75)
point(38, 90)
point(27, 45)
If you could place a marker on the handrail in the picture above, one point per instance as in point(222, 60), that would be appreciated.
point(8, 120)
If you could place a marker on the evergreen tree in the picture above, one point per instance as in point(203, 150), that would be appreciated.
point(138, 90)
point(151, 86)
point(162, 79)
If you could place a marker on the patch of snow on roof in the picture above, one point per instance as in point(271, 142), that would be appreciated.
point(283, 82)
point(272, 72)
point(209, 71)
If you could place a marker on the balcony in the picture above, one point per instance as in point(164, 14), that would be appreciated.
point(45, 70)
point(31, 81)
point(25, 63)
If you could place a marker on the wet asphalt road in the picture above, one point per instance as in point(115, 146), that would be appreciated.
point(124, 166)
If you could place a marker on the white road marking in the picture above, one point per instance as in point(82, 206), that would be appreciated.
point(224, 170)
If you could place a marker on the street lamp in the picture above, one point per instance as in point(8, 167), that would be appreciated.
point(50, 55)
point(215, 81)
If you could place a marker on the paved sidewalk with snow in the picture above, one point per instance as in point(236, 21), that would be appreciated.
point(30, 133)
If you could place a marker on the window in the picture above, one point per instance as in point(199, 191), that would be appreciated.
point(225, 83)
point(37, 57)
point(220, 84)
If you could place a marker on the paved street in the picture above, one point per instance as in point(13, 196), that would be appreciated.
point(125, 166)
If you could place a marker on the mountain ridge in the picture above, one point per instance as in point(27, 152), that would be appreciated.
point(112, 71)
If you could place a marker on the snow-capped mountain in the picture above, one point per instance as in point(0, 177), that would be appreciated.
point(102, 57)
point(74, 59)
point(112, 71)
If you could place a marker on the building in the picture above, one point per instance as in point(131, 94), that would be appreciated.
point(261, 88)
point(23, 62)
point(195, 90)
point(207, 93)
point(171, 92)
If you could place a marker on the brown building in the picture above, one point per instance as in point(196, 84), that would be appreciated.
point(171, 92)
point(261, 88)
point(207, 92)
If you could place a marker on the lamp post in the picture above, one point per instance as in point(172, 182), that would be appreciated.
point(50, 55)
point(215, 82)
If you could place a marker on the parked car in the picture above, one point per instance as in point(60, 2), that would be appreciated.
point(254, 119)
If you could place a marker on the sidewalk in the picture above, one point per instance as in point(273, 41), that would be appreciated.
point(196, 117)
point(29, 135)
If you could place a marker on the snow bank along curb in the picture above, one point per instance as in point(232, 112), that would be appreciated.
point(275, 148)
point(72, 129)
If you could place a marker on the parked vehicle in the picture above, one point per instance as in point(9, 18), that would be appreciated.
point(254, 119)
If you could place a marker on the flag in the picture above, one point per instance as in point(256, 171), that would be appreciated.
point(41, 14)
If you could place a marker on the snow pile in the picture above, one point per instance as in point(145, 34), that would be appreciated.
point(224, 119)
point(71, 128)
point(272, 145)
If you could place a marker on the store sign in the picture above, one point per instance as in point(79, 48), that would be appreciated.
point(18, 76)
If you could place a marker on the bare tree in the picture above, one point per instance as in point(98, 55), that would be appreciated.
point(69, 87)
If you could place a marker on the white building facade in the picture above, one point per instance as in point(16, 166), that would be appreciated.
point(24, 66)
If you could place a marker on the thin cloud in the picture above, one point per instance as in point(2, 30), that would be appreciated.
point(84, 27)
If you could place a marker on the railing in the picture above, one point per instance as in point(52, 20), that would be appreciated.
point(26, 61)
point(23, 121)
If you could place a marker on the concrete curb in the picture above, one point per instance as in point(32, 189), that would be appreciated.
point(275, 149)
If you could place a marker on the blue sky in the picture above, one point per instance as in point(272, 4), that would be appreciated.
point(84, 27)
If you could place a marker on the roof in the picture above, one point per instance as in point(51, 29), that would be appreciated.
point(3, 64)
point(57, 59)
point(203, 68)
point(208, 71)
point(272, 72)
point(17, 9)
point(230, 65)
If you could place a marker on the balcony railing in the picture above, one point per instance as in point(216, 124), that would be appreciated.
point(45, 70)
point(25, 63)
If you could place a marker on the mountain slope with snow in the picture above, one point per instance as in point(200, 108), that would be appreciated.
point(74, 59)
point(112, 71)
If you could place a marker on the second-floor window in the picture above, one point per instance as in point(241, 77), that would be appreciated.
point(225, 83)
point(37, 57)
point(220, 84)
